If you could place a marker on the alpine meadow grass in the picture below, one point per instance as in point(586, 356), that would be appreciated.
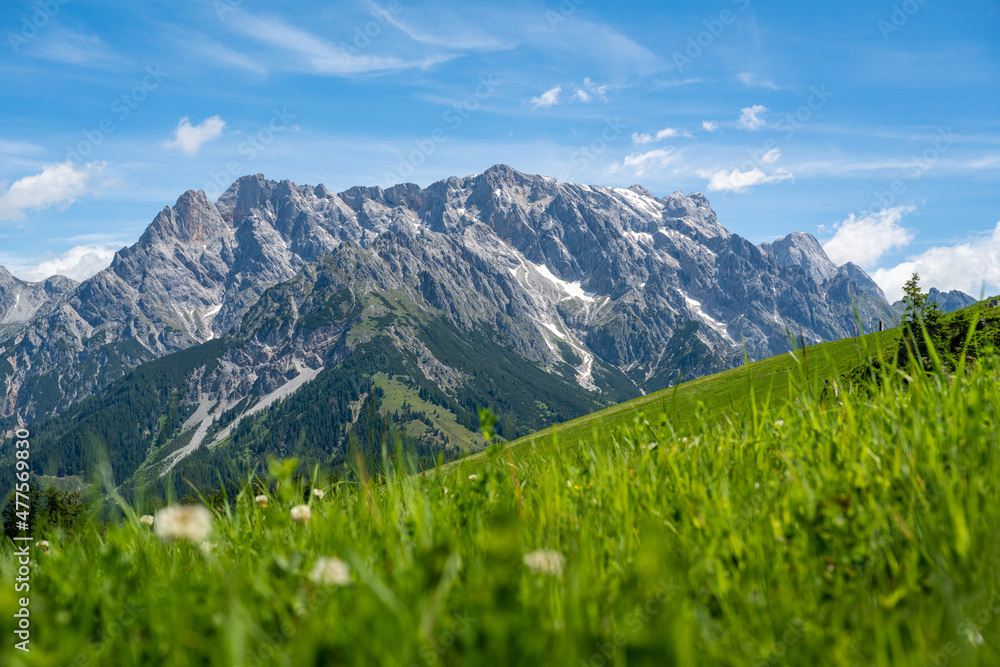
point(858, 525)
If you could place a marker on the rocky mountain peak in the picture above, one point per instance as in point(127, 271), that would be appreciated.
point(802, 250)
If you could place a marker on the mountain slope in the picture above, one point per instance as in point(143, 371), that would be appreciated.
point(595, 273)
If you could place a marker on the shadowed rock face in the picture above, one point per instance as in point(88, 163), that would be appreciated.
point(615, 275)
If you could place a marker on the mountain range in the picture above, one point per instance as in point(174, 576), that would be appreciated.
point(286, 319)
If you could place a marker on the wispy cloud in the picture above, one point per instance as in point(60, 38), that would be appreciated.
point(312, 54)
point(190, 138)
point(548, 98)
point(750, 79)
point(449, 32)
point(866, 238)
point(60, 44)
point(752, 117)
point(640, 163)
point(57, 184)
point(741, 181)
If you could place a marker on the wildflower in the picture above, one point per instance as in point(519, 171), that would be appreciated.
point(756, 485)
point(330, 572)
point(473, 477)
point(207, 548)
point(569, 484)
point(262, 501)
point(545, 561)
point(146, 519)
point(318, 493)
point(684, 440)
point(778, 423)
point(301, 513)
point(184, 522)
point(445, 489)
point(43, 545)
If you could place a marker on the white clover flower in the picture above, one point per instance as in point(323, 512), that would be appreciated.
point(545, 561)
point(330, 572)
point(301, 513)
point(43, 545)
point(184, 522)
point(146, 519)
point(473, 477)
point(778, 423)
point(318, 493)
point(262, 501)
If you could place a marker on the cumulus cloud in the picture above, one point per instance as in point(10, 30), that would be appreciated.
point(641, 162)
point(591, 91)
point(190, 138)
point(709, 125)
point(666, 133)
point(57, 184)
point(965, 266)
point(79, 263)
point(864, 239)
point(752, 117)
point(548, 98)
point(740, 181)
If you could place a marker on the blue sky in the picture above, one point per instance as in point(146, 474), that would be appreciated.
point(872, 125)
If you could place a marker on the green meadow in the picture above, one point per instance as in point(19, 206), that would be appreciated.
point(763, 516)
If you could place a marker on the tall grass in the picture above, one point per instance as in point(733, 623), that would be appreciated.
point(860, 526)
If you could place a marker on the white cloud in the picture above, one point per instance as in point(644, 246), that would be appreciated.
point(751, 118)
point(548, 98)
point(68, 46)
point(966, 266)
point(751, 79)
point(79, 263)
point(666, 133)
point(863, 240)
point(58, 184)
point(306, 52)
point(641, 162)
point(581, 95)
point(709, 125)
point(740, 181)
point(190, 138)
point(771, 156)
